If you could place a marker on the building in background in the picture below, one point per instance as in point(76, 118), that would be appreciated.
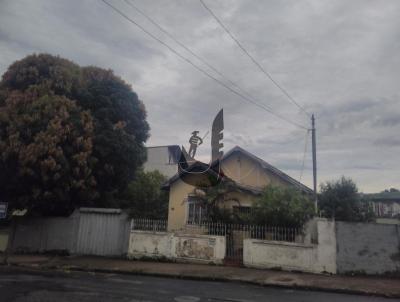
point(386, 206)
point(164, 159)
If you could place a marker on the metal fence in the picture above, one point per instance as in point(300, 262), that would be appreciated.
point(264, 232)
point(144, 224)
point(234, 234)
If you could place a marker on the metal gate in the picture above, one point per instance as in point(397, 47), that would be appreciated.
point(102, 232)
point(236, 233)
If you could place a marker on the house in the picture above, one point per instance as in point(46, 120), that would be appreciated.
point(250, 174)
point(386, 206)
point(163, 159)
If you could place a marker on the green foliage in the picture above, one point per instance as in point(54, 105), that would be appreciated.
point(340, 200)
point(83, 128)
point(120, 129)
point(215, 197)
point(282, 206)
point(144, 197)
point(46, 146)
point(391, 190)
point(279, 206)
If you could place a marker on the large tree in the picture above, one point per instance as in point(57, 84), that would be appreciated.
point(340, 199)
point(68, 135)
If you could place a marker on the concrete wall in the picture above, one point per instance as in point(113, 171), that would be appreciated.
point(199, 247)
point(368, 247)
point(317, 257)
point(195, 248)
point(150, 244)
point(388, 220)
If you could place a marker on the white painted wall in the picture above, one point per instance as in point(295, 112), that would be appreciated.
point(199, 247)
point(196, 248)
point(158, 158)
point(149, 244)
point(307, 257)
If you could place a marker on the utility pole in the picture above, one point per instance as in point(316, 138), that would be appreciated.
point(314, 157)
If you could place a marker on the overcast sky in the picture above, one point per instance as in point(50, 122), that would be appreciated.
point(340, 59)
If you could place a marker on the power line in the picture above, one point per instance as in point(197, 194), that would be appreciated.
point(266, 73)
point(262, 106)
point(304, 155)
point(163, 30)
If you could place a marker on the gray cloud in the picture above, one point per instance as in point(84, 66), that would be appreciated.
point(337, 58)
point(388, 142)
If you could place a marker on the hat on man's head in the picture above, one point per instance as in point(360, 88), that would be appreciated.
point(195, 132)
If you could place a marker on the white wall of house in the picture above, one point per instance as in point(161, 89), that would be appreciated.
point(192, 248)
point(317, 257)
point(159, 158)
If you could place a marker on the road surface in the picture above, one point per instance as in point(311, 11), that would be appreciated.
point(28, 286)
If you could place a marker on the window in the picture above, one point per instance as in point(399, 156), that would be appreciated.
point(241, 210)
point(197, 211)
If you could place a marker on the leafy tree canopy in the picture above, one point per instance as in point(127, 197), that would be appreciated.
point(282, 206)
point(69, 135)
point(391, 190)
point(144, 197)
point(340, 200)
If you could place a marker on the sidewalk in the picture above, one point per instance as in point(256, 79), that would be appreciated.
point(356, 285)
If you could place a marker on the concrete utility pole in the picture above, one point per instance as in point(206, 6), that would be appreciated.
point(314, 157)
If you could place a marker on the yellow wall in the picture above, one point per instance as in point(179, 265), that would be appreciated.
point(241, 169)
point(178, 194)
point(246, 171)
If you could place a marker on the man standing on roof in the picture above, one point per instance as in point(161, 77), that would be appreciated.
point(194, 141)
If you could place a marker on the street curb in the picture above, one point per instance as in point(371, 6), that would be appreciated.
point(64, 268)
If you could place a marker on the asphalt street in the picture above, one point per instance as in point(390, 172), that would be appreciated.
point(28, 286)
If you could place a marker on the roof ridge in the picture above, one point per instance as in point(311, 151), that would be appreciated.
point(267, 165)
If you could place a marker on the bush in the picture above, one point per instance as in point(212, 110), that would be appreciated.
point(280, 206)
point(144, 197)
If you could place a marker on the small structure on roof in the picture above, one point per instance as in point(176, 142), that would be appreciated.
point(163, 159)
